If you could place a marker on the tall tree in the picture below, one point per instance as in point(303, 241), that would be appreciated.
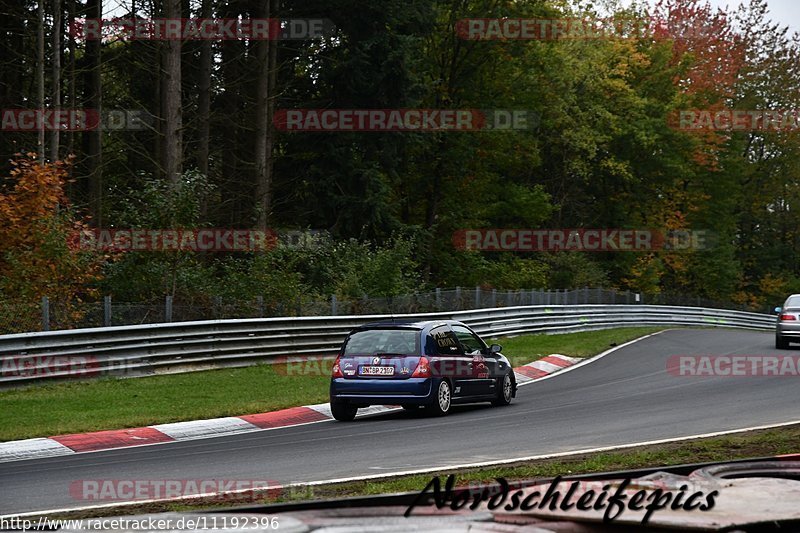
point(56, 75)
point(173, 114)
point(92, 96)
point(263, 138)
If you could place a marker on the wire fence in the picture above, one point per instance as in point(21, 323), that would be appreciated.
point(50, 315)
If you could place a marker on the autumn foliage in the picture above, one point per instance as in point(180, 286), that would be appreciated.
point(38, 254)
point(711, 55)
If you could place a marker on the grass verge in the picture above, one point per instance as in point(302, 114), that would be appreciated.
point(85, 406)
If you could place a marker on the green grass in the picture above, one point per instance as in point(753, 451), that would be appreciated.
point(119, 403)
point(527, 348)
point(85, 406)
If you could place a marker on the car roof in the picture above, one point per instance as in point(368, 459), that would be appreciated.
point(408, 323)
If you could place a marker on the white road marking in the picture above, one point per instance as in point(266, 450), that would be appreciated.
point(422, 470)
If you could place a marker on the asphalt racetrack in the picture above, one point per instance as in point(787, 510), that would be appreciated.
point(625, 397)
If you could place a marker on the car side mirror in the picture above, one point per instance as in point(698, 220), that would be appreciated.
point(778, 309)
point(495, 348)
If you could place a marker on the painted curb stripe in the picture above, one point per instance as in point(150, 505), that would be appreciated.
point(570, 360)
point(205, 428)
point(286, 417)
point(118, 438)
point(549, 368)
point(31, 449)
point(531, 372)
point(197, 429)
point(322, 408)
point(556, 361)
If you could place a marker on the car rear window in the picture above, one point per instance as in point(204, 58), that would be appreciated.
point(794, 301)
point(396, 341)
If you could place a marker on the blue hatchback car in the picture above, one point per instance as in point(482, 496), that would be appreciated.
point(431, 365)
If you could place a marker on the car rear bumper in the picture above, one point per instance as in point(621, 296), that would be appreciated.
point(788, 329)
point(411, 391)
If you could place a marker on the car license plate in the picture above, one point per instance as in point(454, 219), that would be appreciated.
point(377, 370)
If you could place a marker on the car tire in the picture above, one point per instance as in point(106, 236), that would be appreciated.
point(442, 399)
point(505, 391)
point(343, 412)
point(781, 343)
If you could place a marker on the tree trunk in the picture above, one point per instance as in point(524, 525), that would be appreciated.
point(204, 106)
point(204, 98)
point(56, 98)
point(93, 97)
point(231, 122)
point(40, 77)
point(262, 138)
point(173, 145)
point(72, 77)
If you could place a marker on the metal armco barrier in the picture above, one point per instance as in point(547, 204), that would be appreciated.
point(189, 346)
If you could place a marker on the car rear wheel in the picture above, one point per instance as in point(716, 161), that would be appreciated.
point(442, 400)
point(781, 343)
point(505, 391)
point(343, 412)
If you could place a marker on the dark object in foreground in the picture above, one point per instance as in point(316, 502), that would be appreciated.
point(755, 495)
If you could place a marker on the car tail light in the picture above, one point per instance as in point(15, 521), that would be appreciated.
point(788, 317)
point(336, 372)
point(423, 369)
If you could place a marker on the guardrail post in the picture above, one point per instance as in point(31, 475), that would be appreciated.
point(260, 305)
point(637, 298)
point(168, 309)
point(217, 307)
point(493, 302)
point(333, 304)
point(458, 299)
point(106, 311)
point(477, 297)
point(438, 298)
point(45, 314)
